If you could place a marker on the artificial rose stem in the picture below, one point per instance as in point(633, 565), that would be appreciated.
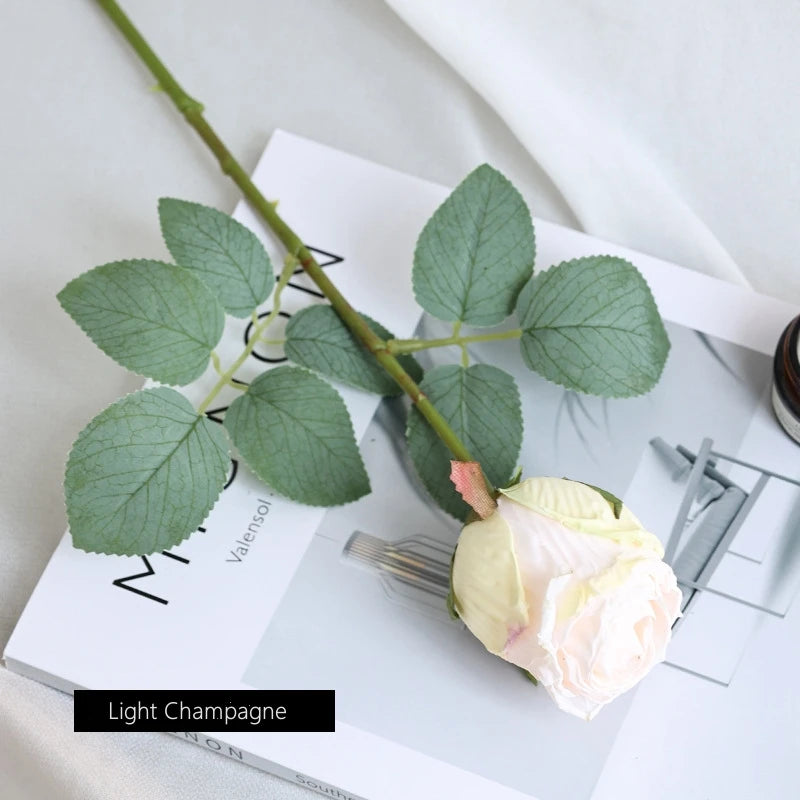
point(192, 111)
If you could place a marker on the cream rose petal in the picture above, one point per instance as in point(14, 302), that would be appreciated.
point(583, 509)
point(488, 590)
point(552, 561)
point(555, 583)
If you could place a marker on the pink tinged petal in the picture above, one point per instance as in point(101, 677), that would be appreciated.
point(577, 705)
point(489, 595)
point(468, 479)
point(587, 614)
point(544, 548)
point(544, 663)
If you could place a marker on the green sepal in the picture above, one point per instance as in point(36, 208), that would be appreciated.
point(515, 479)
point(529, 676)
point(614, 501)
point(451, 595)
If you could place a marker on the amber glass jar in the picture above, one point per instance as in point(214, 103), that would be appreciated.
point(786, 380)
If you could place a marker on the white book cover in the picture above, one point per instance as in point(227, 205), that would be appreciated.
point(273, 595)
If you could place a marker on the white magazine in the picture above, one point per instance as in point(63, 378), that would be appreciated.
point(275, 595)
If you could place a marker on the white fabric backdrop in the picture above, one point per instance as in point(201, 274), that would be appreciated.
point(670, 128)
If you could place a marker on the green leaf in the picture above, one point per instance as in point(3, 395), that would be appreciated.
point(316, 338)
point(481, 403)
point(476, 252)
point(592, 325)
point(143, 474)
point(155, 319)
point(294, 432)
point(227, 256)
point(614, 501)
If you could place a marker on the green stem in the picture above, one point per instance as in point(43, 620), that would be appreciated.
point(192, 111)
point(464, 351)
point(400, 346)
point(226, 378)
point(232, 382)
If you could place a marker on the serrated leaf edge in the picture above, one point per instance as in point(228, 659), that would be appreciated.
point(352, 433)
point(611, 396)
point(518, 408)
point(414, 282)
point(69, 454)
point(235, 314)
point(118, 363)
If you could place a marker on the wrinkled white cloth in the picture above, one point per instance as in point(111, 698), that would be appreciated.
point(670, 128)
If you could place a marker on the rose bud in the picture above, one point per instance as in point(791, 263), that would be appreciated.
point(556, 582)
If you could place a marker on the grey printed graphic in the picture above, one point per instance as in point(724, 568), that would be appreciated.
point(406, 672)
